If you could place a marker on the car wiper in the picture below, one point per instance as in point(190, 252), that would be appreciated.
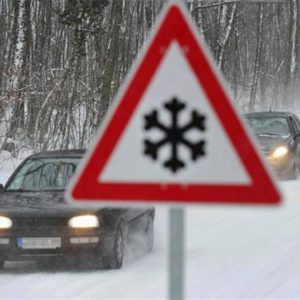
point(266, 134)
point(21, 190)
point(18, 190)
point(36, 191)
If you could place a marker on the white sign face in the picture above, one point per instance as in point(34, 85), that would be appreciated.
point(219, 163)
point(173, 134)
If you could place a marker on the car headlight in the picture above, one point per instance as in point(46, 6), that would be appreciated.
point(85, 221)
point(280, 152)
point(5, 223)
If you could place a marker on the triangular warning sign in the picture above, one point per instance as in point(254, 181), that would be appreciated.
point(173, 135)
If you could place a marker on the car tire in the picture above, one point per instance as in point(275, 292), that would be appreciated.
point(149, 233)
point(115, 260)
point(1, 264)
point(297, 173)
point(293, 174)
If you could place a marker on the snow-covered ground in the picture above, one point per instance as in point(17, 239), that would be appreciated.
point(231, 252)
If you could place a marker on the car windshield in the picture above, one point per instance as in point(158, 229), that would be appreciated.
point(43, 174)
point(276, 126)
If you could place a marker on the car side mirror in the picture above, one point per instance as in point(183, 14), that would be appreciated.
point(1, 188)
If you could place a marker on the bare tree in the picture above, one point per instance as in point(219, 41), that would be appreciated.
point(63, 60)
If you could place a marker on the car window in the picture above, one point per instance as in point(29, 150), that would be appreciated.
point(296, 124)
point(269, 125)
point(43, 174)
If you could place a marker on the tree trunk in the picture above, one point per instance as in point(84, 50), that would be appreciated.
point(116, 15)
point(259, 46)
point(226, 21)
point(17, 80)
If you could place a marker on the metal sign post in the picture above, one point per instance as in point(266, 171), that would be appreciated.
point(176, 253)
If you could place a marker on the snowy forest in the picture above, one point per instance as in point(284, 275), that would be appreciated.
point(62, 61)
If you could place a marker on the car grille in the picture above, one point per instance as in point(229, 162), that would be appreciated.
point(39, 225)
point(265, 151)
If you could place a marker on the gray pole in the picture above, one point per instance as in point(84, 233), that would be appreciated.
point(176, 254)
point(176, 246)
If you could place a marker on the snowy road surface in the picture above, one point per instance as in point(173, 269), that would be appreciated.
point(231, 252)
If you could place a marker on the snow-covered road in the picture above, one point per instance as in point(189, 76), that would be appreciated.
point(231, 252)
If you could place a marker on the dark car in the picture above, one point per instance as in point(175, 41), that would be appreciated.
point(278, 134)
point(37, 223)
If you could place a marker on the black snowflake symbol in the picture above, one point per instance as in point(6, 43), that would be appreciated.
point(174, 135)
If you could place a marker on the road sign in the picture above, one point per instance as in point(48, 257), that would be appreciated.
point(173, 134)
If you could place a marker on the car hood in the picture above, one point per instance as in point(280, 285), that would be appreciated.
point(269, 143)
point(39, 204)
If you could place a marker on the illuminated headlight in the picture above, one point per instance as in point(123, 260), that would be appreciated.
point(85, 221)
point(5, 222)
point(280, 152)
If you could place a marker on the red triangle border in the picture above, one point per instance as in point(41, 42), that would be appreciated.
point(87, 187)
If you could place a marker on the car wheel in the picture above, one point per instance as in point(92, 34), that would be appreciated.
point(2, 264)
point(115, 260)
point(297, 173)
point(149, 234)
point(293, 174)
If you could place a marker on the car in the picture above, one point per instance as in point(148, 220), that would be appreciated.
point(36, 222)
point(278, 135)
